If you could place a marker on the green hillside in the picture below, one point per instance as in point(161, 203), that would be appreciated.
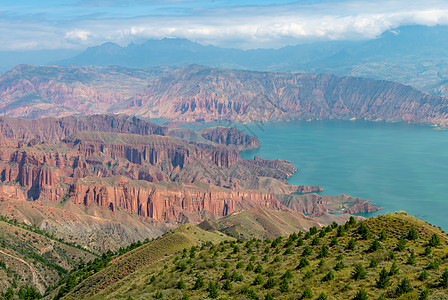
point(31, 259)
point(110, 272)
point(389, 256)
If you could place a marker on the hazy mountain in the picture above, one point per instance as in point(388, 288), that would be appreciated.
point(415, 55)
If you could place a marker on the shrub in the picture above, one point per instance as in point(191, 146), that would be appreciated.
point(412, 235)
point(239, 265)
point(270, 283)
point(323, 252)
point(434, 241)
point(287, 275)
point(199, 284)
point(307, 294)
point(227, 285)
point(403, 288)
point(258, 269)
point(384, 280)
point(276, 259)
point(284, 286)
point(401, 245)
point(427, 251)
point(411, 259)
point(250, 266)
point(181, 284)
point(444, 279)
point(339, 266)
point(299, 242)
point(313, 230)
point(307, 251)
point(364, 231)
point(373, 263)
point(375, 246)
point(351, 244)
point(158, 295)
point(307, 275)
point(334, 241)
point(303, 263)
point(287, 251)
point(433, 265)
point(268, 297)
point(329, 276)
point(382, 235)
point(424, 294)
point(361, 295)
point(359, 272)
point(258, 280)
point(423, 276)
point(315, 241)
point(322, 296)
point(212, 290)
point(393, 269)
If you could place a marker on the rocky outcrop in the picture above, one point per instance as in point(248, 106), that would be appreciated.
point(167, 201)
point(362, 206)
point(53, 130)
point(199, 93)
point(229, 136)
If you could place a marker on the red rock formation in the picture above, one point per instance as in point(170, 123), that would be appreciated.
point(199, 93)
point(229, 136)
point(165, 202)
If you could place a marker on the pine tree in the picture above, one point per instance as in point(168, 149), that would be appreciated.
point(361, 295)
point(307, 294)
point(284, 286)
point(393, 269)
point(434, 241)
point(384, 280)
point(359, 272)
point(412, 235)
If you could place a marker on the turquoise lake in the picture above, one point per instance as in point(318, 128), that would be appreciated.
point(401, 167)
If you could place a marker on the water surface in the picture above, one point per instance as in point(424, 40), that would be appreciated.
point(401, 167)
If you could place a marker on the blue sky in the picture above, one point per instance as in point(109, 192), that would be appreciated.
point(77, 24)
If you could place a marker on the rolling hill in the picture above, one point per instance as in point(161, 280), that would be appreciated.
point(389, 256)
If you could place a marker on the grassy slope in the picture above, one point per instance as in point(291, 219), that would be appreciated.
point(182, 237)
point(34, 259)
point(264, 223)
point(211, 262)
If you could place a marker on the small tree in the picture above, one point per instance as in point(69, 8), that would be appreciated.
point(361, 295)
point(384, 280)
point(284, 286)
point(323, 252)
point(199, 284)
point(307, 294)
point(258, 280)
point(213, 290)
point(403, 288)
point(424, 295)
point(307, 251)
point(322, 296)
point(359, 272)
point(375, 246)
point(444, 279)
point(287, 275)
point(434, 241)
point(351, 244)
point(423, 275)
point(181, 284)
point(303, 263)
point(401, 245)
point(382, 235)
point(227, 285)
point(393, 269)
point(411, 258)
point(339, 266)
point(412, 235)
point(270, 283)
point(373, 263)
point(329, 276)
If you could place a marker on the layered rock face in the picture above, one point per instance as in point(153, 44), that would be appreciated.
point(160, 177)
point(199, 93)
point(196, 93)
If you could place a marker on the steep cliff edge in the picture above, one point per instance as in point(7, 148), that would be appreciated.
point(199, 93)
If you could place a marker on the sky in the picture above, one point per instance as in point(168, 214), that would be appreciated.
point(246, 24)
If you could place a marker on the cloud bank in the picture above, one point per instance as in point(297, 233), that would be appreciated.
point(246, 25)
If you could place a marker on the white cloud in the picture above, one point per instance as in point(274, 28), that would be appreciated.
point(232, 26)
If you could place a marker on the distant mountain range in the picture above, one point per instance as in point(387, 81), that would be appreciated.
point(198, 93)
point(414, 55)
